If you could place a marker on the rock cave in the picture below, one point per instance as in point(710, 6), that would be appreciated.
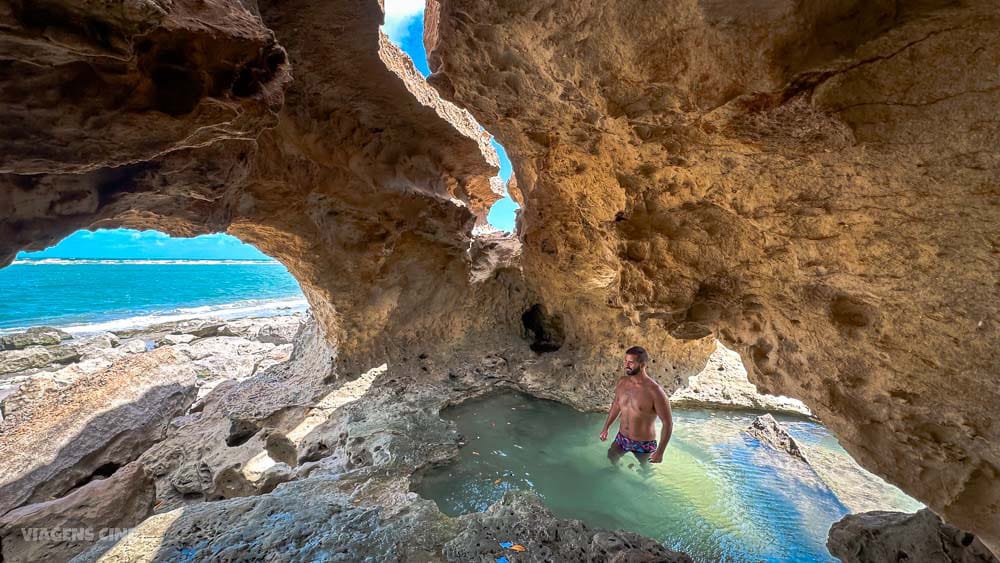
point(815, 184)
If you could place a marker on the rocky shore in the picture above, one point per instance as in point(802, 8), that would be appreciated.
point(45, 359)
point(235, 455)
point(212, 440)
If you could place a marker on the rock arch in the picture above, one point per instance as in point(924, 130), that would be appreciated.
point(793, 177)
point(363, 179)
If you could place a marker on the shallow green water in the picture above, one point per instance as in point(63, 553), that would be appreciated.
point(716, 496)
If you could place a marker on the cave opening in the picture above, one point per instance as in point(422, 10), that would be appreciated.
point(121, 279)
point(105, 300)
point(404, 26)
point(503, 214)
point(546, 330)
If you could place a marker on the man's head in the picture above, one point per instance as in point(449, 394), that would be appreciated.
point(636, 359)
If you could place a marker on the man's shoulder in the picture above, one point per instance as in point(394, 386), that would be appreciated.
point(654, 385)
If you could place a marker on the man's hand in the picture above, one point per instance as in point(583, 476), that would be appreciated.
point(604, 435)
point(657, 457)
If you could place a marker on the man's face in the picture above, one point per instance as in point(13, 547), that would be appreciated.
point(632, 365)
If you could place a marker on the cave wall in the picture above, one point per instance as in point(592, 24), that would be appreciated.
point(356, 174)
point(364, 182)
point(816, 183)
point(88, 85)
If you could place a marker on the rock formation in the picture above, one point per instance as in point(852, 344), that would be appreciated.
point(336, 457)
point(522, 517)
point(35, 336)
point(357, 178)
point(877, 537)
point(217, 350)
point(70, 436)
point(99, 509)
point(815, 185)
point(771, 434)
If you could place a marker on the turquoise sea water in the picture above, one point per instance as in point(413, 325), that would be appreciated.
point(718, 495)
point(93, 295)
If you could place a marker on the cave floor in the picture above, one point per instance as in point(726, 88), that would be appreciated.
point(393, 431)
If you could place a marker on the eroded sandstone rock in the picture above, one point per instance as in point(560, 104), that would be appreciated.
point(91, 351)
point(219, 452)
point(273, 330)
point(33, 357)
point(773, 435)
point(71, 524)
point(185, 73)
point(72, 435)
point(523, 517)
point(812, 185)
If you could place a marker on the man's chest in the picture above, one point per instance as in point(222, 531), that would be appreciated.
point(635, 399)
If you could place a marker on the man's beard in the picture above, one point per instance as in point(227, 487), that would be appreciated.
point(631, 371)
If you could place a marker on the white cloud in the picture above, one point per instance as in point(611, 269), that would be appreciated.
point(399, 14)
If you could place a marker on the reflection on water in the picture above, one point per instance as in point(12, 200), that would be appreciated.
point(717, 495)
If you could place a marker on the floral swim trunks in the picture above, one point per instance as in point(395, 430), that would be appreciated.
point(635, 446)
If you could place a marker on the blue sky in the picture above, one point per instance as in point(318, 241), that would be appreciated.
point(404, 24)
point(124, 244)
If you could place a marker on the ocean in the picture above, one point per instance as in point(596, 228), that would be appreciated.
point(87, 296)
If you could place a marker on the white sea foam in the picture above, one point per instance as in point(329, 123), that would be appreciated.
point(225, 311)
point(82, 261)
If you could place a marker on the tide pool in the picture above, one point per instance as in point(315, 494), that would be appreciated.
point(718, 496)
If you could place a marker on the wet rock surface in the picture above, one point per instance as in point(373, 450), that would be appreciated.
point(523, 519)
point(773, 435)
point(881, 537)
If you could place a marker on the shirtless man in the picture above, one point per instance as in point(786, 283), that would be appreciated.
point(639, 400)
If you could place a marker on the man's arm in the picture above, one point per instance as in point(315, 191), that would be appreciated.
point(612, 415)
point(662, 405)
